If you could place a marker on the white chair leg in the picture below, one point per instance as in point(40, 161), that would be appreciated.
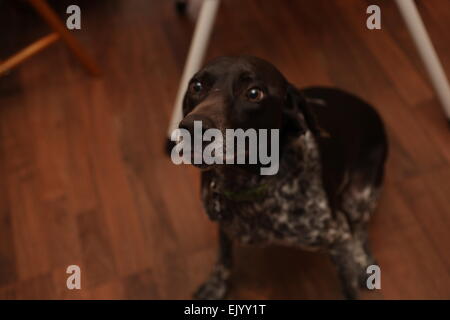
point(426, 50)
point(197, 50)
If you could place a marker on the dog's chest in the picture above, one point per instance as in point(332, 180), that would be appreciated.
point(289, 209)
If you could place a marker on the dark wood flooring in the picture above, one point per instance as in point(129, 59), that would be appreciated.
point(84, 179)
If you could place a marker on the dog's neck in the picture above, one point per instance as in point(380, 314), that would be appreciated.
point(238, 184)
point(239, 177)
point(247, 178)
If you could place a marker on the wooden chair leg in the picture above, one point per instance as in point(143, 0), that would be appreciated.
point(27, 52)
point(49, 15)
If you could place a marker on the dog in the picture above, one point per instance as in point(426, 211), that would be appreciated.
point(333, 149)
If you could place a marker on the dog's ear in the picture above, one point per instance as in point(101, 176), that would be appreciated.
point(298, 115)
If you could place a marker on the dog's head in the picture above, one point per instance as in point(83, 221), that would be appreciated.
point(245, 93)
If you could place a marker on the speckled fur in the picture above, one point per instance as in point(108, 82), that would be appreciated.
point(332, 154)
point(295, 212)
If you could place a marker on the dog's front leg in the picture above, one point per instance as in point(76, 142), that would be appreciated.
point(216, 286)
point(350, 259)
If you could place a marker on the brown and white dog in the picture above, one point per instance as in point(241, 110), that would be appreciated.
point(333, 148)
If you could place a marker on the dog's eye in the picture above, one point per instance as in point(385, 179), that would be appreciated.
point(255, 94)
point(196, 87)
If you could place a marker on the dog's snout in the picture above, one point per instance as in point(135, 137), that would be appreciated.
point(188, 122)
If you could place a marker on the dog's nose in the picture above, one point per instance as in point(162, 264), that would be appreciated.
point(188, 122)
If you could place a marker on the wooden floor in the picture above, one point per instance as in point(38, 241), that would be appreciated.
point(84, 179)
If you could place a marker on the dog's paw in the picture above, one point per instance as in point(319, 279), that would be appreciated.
point(350, 293)
point(214, 289)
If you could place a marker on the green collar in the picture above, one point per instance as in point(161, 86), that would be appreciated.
point(250, 194)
